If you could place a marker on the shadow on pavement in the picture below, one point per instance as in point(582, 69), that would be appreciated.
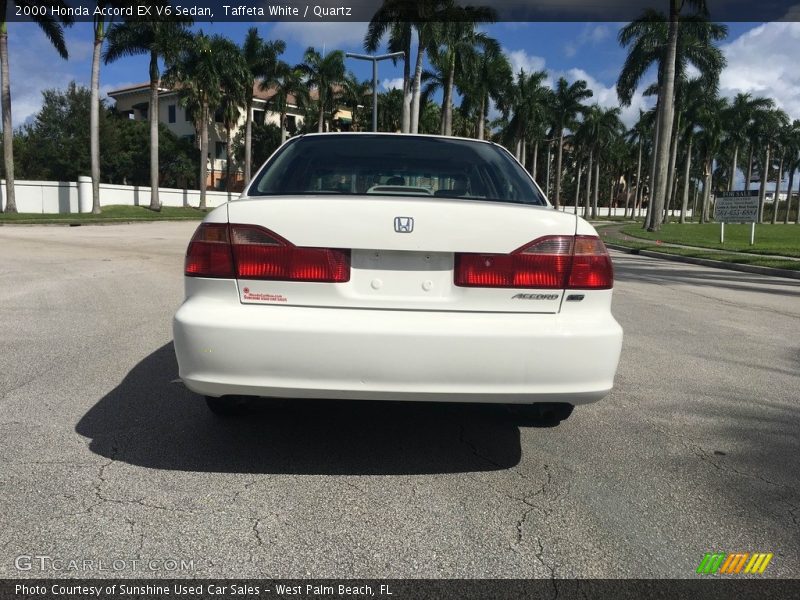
point(152, 421)
point(642, 269)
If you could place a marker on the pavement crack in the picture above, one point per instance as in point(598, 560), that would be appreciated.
point(462, 438)
point(257, 533)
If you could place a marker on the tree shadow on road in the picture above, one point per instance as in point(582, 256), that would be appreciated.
point(637, 268)
point(151, 420)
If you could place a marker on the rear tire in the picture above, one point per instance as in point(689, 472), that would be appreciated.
point(543, 414)
point(226, 406)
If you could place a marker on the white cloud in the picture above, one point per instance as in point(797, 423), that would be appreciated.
point(606, 96)
point(763, 62)
point(331, 35)
point(29, 50)
point(392, 84)
point(590, 34)
point(520, 59)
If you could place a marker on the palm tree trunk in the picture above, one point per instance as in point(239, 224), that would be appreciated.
point(578, 187)
point(94, 116)
point(732, 177)
point(749, 169)
point(203, 154)
point(638, 180)
point(673, 158)
point(415, 89)
point(789, 195)
point(8, 129)
point(449, 114)
point(596, 193)
point(686, 171)
point(547, 183)
point(535, 157)
point(667, 109)
point(155, 204)
point(707, 191)
point(227, 159)
point(283, 127)
point(762, 190)
point(651, 182)
point(611, 197)
point(481, 116)
point(248, 139)
point(406, 120)
point(776, 199)
point(321, 124)
point(589, 173)
point(627, 195)
point(557, 195)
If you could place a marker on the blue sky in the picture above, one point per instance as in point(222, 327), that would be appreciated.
point(762, 57)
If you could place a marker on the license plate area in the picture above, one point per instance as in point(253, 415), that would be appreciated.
point(392, 274)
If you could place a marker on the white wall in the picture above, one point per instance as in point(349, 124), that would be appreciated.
point(70, 197)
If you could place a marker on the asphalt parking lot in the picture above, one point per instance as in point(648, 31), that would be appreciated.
point(105, 456)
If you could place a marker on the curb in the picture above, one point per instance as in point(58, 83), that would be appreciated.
point(705, 262)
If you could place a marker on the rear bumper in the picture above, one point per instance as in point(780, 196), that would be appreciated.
point(301, 352)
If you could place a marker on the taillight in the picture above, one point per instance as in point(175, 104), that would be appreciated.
point(552, 262)
point(209, 253)
point(261, 254)
point(591, 265)
point(253, 252)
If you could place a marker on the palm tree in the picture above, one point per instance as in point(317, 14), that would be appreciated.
point(710, 117)
point(288, 83)
point(395, 17)
point(525, 104)
point(53, 28)
point(158, 40)
point(637, 135)
point(203, 69)
point(262, 63)
point(354, 95)
point(656, 40)
point(490, 73)
point(792, 141)
point(326, 74)
point(768, 124)
point(738, 119)
point(100, 30)
point(459, 46)
point(567, 105)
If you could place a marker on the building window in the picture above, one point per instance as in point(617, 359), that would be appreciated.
point(218, 116)
point(258, 117)
point(171, 113)
point(220, 150)
point(187, 116)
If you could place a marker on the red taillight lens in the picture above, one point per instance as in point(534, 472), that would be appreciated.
point(261, 254)
point(209, 252)
point(552, 262)
point(591, 265)
point(252, 252)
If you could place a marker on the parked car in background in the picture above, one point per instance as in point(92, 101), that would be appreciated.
point(397, 267)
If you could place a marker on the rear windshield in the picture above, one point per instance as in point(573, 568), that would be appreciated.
point(388, 165)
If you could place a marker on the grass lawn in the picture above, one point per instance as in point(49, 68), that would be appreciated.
point(610, 235)
point(780, 240)
point(110, 214)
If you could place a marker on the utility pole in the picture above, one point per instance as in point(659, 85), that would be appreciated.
point(374, 60)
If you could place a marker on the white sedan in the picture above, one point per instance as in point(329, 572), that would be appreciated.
point(397, 267)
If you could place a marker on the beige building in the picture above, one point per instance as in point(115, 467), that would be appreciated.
point(135, 102)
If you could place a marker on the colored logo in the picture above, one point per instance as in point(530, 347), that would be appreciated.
point(735, 563)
